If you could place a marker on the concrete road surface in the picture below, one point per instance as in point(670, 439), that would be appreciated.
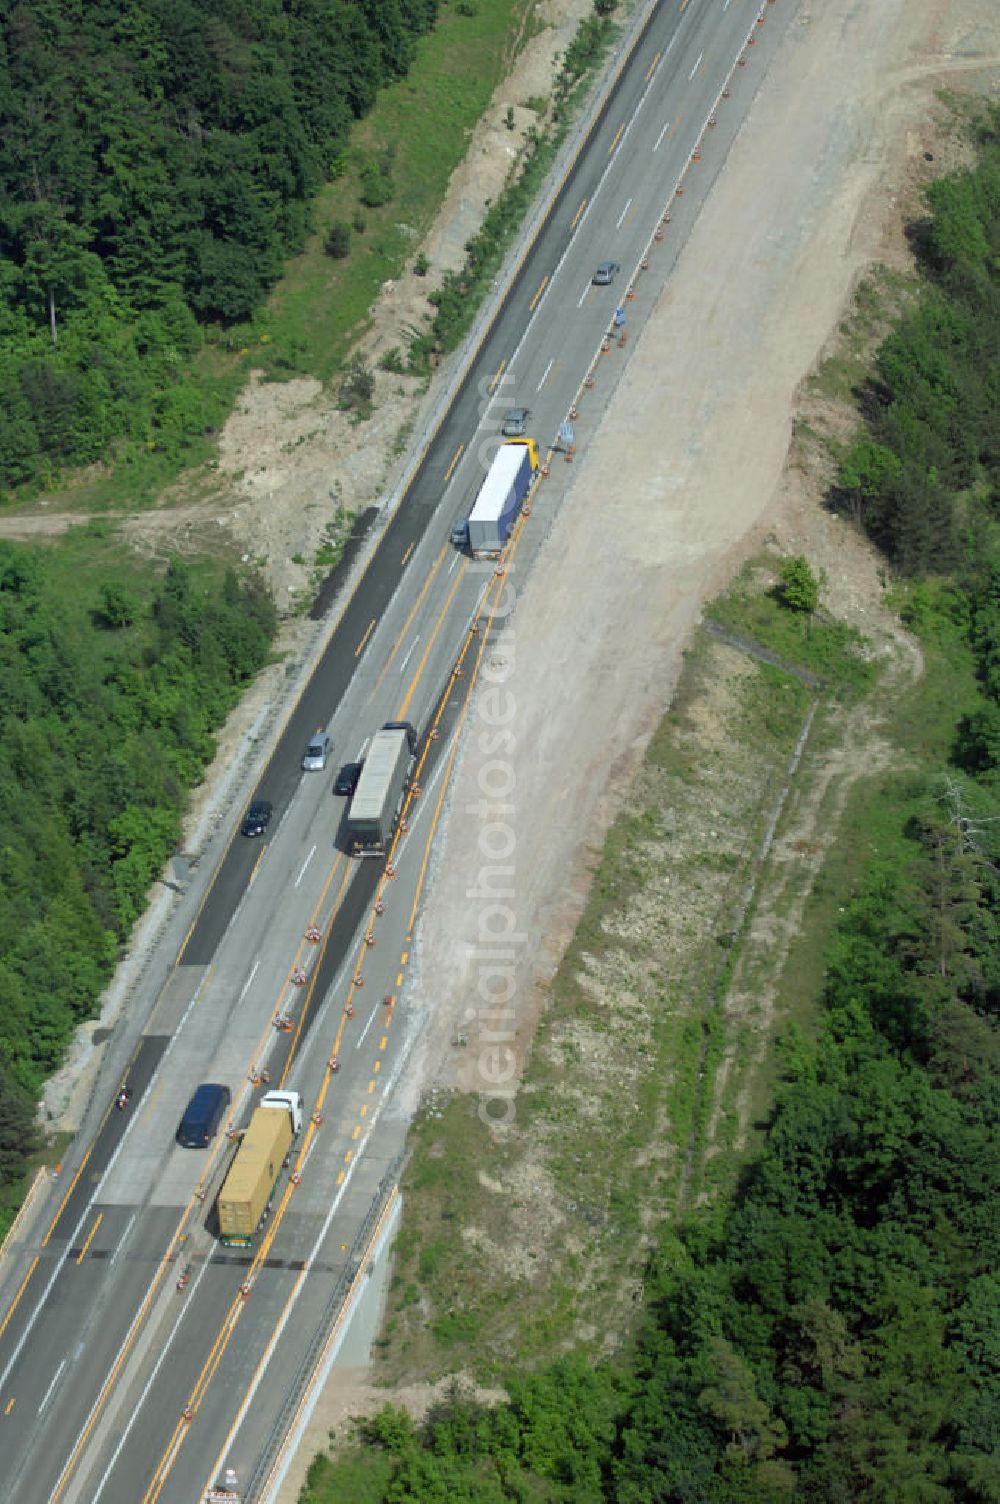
point(139, 1357)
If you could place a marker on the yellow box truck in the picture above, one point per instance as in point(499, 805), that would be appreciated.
point(247, 1189)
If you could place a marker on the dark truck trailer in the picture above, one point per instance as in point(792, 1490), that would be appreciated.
point(378, 798)
point(501, 497)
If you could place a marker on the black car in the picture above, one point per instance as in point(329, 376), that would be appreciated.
point(257, 818)
point(346, 780)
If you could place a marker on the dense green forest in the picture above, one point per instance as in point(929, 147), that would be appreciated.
point(110, 689)
point(157, 161)
point(834, 1333)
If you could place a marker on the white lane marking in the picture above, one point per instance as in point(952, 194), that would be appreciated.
point(670, 45)
point(249, 981)
point(121, 1241)
point(301, 875)
point(409, 654)
point(149, 1384)
point(332, 1349)
point(726, 6)
point(454, 562)
point(98, 1189)
point(583, 218)
point(48, 1392)
point(662, 134)
point(292, 1300)
point(623, 214)
point(697, 65)
point(582, 296)
point(545, 377)
point(367, 1026)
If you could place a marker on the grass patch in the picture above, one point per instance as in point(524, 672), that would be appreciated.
point(420, 128)
point(527, 1243)
point(819, 644)
point(320, 307)
point(920, 723)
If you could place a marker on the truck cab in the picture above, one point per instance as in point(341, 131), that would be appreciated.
point(290, 1101)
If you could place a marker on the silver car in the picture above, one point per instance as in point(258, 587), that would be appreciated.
point(606, 273)
point(317, 753)
point(515, 424)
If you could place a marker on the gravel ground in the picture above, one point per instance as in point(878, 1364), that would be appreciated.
point(687, 476)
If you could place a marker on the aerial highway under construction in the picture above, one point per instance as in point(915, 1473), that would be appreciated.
point(142, 1359)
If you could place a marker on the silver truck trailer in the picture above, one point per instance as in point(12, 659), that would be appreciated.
point(378, 798)
point(501, 497)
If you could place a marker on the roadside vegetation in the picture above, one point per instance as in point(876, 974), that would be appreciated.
point(202, 196)
point(113, 685)
point(158, 165)
point(250, 188)
point(797, 1297)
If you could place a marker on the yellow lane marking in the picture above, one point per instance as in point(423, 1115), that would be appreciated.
point(362, 579)
point(341, 1177)
point(165, 1264)
point(385, 1038)
point(449, 599)
point(543, 284)
point(494, 380)
point(211, 1364)
point(406, 625)
point(368, 632)
point(357, 1132)
point(10, 1406)
point(23, 1286)
point(576, 217)
point(407, 552)
point(618, 135)
point(652, 67)
point(454, 461)
point(399, 979)
point(90, 1237)
point(62, 1204)
point(348, 1156)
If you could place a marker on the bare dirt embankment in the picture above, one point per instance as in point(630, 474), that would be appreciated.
point(689, 474)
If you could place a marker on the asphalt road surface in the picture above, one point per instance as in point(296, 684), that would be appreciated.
point(138, 1357)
